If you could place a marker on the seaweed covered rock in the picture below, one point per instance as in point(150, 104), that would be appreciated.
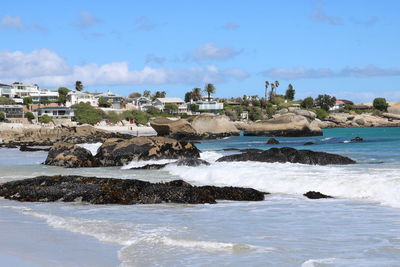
point(118, 152)
point(287, 154)
point(70, 156)
point(119, 191)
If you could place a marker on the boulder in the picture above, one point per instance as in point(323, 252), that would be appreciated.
point(205, 126)
point(315, 195)
point(359, 120)
point(214, 126)
point(191, 162)
point(273, 141)
point(391, 116)
point(33, 149)
point(308, 143)
point(287, 154)
point(288, 125)
point(150, 167)
point(177, 128)
point(119, 191)
point(357, 139)
point(118, 152)
point(70, 156)
point(306, 113)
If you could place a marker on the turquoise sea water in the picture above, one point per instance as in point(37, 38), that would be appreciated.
point(359, 227)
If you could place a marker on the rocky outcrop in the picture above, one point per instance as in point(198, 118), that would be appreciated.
point(287, 125)
point(181, 162)
point(315, 195)
point(24, 148)
point(273, 141)
point(175, 128)
point(119, 191)
point(48, 136)
point(191, 162)
point(344, 120)
point(205, 126)
point(287, 154)
point(118, 152)
point(70, 156)
point(357, 139)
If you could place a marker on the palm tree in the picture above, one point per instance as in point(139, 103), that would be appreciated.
point(78, 86)
point(266, 88)
point(276, 86)
point(209, 89)
point(196, 94)
point(272, 93)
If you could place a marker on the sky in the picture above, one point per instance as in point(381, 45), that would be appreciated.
point(349, 49)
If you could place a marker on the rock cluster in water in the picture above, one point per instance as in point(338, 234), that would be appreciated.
point(119, 191)
point(204, 126)
point(118, 152)
point(287, 154)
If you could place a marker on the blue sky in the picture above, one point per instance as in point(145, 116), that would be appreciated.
point(349, 49)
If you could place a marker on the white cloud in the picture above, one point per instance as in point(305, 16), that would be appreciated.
point(47, 68)
point(231, 26)
point(86, 20)
point(303, 73)
point(12, 23)
point(212, 51)
point(16, 23)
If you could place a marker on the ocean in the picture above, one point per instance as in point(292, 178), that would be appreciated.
point(360, 226)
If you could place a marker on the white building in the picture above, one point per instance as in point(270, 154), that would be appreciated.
point(141, 103)
point(42, 96)
point(209, 105)
point(5, 90)
point(24, 90)
point(161, 102)
point(114, 99)
point(76, 97)
point(57, 112)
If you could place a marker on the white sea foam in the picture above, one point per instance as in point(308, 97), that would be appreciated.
point(353, 182)
point(211, 156)
point(91, 147)
point(326, 139)
point(318, 262)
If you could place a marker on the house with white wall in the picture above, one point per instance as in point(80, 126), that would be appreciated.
point(161, 102)
point(76, 97)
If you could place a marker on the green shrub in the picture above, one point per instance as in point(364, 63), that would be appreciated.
point(103, 102)
point(2, 117)
point(113, 116)
point(380, 104)
point(6, 101)
point(321, 113)
point(45, 119)
point(85, 113)
point(325, 101)
point(138, 116)
point(307, 103)
point(29, 116)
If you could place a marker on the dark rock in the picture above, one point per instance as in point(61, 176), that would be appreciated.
point(287, 154)
point(191, 162)
point(8, 146)
point(273, 141)
point(308, 143)
point(119, 191)
point(70, 156)
point(251, 150)
point(33, 149)
point(118, 152)
point(315, 195)
point(150, 167)
point(357, 139)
